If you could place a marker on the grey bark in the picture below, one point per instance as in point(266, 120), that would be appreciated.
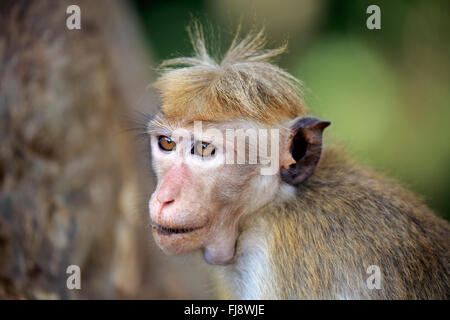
point(73, 189)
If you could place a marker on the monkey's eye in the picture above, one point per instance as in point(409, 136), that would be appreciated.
point(203, 149)
point(165, 143)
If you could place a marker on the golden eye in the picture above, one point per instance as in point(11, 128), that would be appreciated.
point(203, 149)
point(165, 143)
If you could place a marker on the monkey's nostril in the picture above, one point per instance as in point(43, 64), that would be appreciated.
point(168, 202)
point(164, 205)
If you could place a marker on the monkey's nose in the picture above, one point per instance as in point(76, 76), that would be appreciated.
point(166, 194)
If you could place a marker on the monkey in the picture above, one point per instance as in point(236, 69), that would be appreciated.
point(309, 230)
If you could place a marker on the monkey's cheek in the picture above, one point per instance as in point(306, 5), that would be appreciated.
point(177, 244)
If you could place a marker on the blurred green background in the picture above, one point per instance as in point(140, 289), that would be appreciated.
point(386, 91)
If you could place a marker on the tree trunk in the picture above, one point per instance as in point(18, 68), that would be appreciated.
point(69, 182)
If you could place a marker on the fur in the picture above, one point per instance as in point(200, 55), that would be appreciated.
point(315, 249)
point(244, 84)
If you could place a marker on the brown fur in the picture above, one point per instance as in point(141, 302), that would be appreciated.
point(344, 219)
point(242, 84)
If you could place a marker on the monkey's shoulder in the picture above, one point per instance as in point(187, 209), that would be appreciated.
point(345, 218)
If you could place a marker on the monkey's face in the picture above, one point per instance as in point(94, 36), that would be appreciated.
point(199, 197)
point(207, 183)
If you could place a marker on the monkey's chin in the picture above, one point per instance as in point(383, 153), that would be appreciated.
point(177, 243)
point(215, 257)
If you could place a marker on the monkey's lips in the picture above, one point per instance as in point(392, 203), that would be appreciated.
point(173, 230)
point(176, 240)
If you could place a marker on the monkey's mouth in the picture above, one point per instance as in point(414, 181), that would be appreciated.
point(169, 231)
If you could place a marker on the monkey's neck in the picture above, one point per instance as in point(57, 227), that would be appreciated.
point(251, 276)
point(243, 278)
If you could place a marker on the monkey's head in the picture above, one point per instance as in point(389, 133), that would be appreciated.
point(231, 138)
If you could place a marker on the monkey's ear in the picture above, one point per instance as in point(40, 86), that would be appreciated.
point(305, 147)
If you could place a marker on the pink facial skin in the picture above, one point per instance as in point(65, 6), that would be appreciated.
point(197, 205)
